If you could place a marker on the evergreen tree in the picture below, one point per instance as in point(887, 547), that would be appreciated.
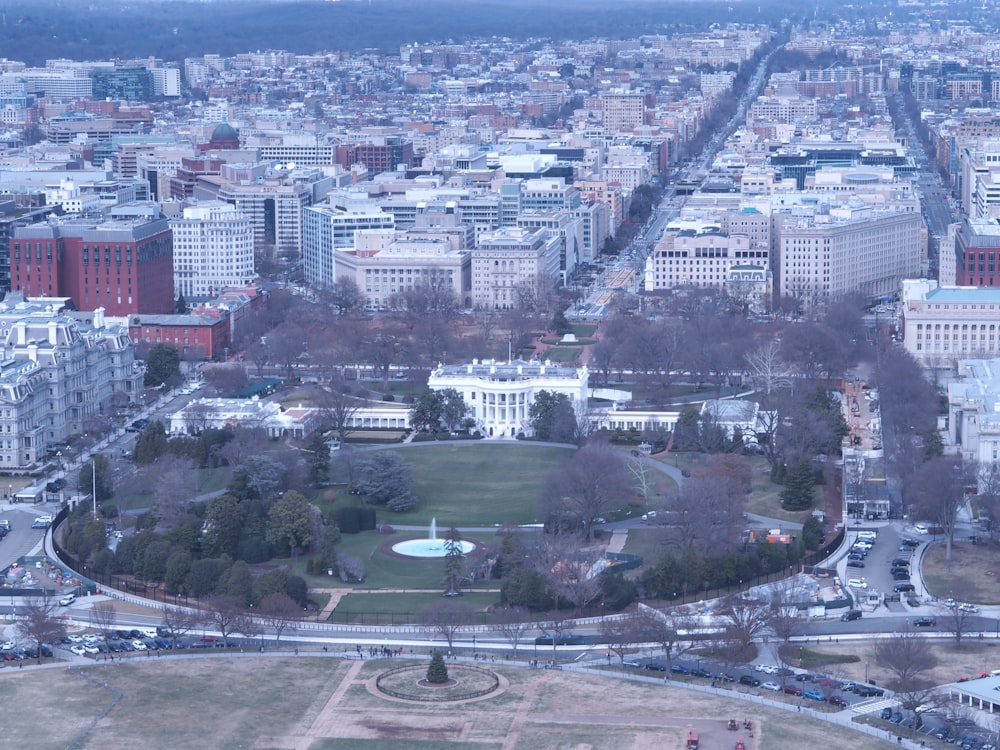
point(799, 481)
point(437, 671)
point(318, 459)
point(454, 563)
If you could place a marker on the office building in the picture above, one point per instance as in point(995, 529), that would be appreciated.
point(121, 266)
point(213, 250)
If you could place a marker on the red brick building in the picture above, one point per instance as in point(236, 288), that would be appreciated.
point(196, 337)
point(977, 253)
point(123, 266)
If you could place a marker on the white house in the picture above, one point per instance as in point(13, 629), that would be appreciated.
point(499, 394)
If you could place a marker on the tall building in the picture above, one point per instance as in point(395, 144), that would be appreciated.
point(941, 324)
point(213, 250)
point(512, 267)
point(622, 110)
point(121, 266)
point(129, 84)
point(823, 255)
point(329, 228)
point(977, 253)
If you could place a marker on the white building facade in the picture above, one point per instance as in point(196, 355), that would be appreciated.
point(499, 394)
point(213, 250)
point(941, 324)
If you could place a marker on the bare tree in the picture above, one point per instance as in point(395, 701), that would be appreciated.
point(908, 656)
point(177, 483)
point(766, 367)
point(445, 618)
point(957, 619)
point(591, 484)
point(278, 611)
point(512, 623)
point(938, 490)
point(103, 617)
point(745, 616)
point(621, 633)
point(227, 380)
point(338, 406)
point(569, 571)
point(667, 629)
point(178, 622)
point(785, 619)
point(225, 614)
point(558, 630)
point(641, 475)
point(39, 622)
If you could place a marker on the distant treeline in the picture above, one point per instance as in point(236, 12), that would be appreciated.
point(47, 29)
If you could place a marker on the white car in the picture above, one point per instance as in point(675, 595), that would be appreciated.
point(91, 649)
point(78, 650)
point(771, 686)
point(74, 639)
point(67, 600)
point(972, 609)
point(138, 645)
point(8, 646)
point(857, 583)
point(766, 668)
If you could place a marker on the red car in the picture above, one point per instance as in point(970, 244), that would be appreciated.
point(792, 690)
point(833, 700)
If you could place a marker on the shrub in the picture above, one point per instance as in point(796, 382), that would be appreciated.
point(437, 670)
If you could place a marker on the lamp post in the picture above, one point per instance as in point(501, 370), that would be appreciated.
point(93, 479)
point(866, 671)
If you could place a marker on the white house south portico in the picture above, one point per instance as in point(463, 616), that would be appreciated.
point(499, 394)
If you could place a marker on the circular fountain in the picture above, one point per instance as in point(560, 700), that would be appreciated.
point(429, 547)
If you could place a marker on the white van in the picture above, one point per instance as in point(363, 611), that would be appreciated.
point(920, 528)
point(870, 535)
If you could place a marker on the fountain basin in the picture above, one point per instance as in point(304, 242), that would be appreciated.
point(428, 548)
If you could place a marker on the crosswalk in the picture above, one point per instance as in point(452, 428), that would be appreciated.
point(873, 705)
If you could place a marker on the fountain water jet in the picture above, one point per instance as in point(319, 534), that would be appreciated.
point(430, 547)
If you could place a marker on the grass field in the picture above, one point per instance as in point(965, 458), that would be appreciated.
point(477, 484)
point(315, 703)
point(357, 607)
point(385, 571)
point(973, 575)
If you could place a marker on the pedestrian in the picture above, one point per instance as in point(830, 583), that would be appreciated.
point(296, 650)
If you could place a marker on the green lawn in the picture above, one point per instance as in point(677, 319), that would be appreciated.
point(379, 608)
point(584, 330)
point(563, 354)
point(476, 484)
point(384, 570)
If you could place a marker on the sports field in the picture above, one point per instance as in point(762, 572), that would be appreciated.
point(317, 703)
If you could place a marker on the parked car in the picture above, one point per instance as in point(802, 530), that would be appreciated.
point(924, 622)
point(815, 695)
point(857, 583)
point(851, 614)
point(749, 679)
point(774, 686)
point(855, 564)
point(869, 691)
point(900, 562)
point(792, 690)
point(885, 714)
point(834, 700)
point(901, 576)
point(900, 588)
point(679, 669)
